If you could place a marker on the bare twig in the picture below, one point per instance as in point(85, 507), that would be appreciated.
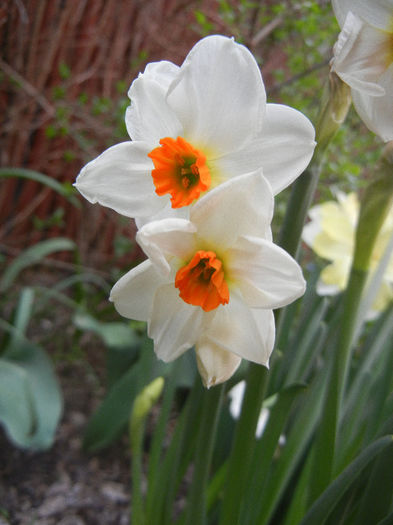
point(27, 87)
point(299, 76)
point(266, 30)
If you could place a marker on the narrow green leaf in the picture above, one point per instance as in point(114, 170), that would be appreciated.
point(196, 504)
point(377, 496)
point(387, 521)
point(365, 400)
point(115, 335)
point(265, 449)
point(177, 458)
point(299, 500)
point(298, 438)
point(64, 190)
point(33, 255)
point(325, 504)
point(158, 442)
point(22, 316)
point(113, 414)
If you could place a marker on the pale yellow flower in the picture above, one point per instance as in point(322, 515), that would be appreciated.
point(331, 234)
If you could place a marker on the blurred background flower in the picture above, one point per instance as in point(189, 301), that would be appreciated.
point(363, 58)
point(331, 235)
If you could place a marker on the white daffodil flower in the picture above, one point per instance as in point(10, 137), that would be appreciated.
point(363, 59)
point(331, 234)
point(213, 280)
point(193, 127)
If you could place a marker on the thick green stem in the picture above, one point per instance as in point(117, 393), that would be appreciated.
point(196, 511)
point(301, 197)
point(243, 446)
point(376, 203)
point(324, 452)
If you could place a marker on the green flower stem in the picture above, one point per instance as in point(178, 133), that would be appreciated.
point(324, 452)
point(332, 113)
point(301, 197)
point(376, 203)
point(143, 403)
point(243, 445)
point(196, 510)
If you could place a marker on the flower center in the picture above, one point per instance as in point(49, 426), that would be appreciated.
point(201, 282)
point(180, 170)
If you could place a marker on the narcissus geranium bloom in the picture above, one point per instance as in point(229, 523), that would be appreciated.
point(213, 280)
point(331, 234)
point(194, 127)
point(363, 58)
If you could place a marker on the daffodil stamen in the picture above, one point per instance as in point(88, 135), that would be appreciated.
point(180, 170)
point(202, 281)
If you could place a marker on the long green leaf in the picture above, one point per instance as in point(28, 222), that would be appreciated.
point(325, 504)
point(66, 191)
point(113, 414)
point(33, 255)
point(297, 441)
point(265, 449)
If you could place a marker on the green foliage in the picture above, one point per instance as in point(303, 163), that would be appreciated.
point(64, 71)
point(33, 255)
point(30, 397)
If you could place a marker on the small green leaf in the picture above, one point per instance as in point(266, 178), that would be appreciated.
point(33, 255)
point(30, 398)
point(62, 189)
point(64, 71)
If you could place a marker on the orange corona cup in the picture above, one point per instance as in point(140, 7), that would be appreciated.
point(202, 282)
point(180, 170)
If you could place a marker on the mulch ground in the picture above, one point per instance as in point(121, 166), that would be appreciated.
point(65, 485)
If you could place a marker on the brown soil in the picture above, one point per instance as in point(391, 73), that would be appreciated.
point(65, 485)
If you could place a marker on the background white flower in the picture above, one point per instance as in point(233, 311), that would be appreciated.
point(193, 127)
point(236, 395)
point(363, 58)
point(212, 281)
point(331, 234)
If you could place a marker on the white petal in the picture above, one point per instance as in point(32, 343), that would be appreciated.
point(215, 364)
point(377, 112)
point(175, 325)
point(149, 117)
point(247, 332)
point(266, 275)
point(361, 55)
point(287, 146)
point(165, 213)
point(133, 294)
point(236, 395)
point(239, 206)
point(120, 178)
point(163, 239)
point(162, 72)
point(375, 12)
point(219, 95)
point(237, 162)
